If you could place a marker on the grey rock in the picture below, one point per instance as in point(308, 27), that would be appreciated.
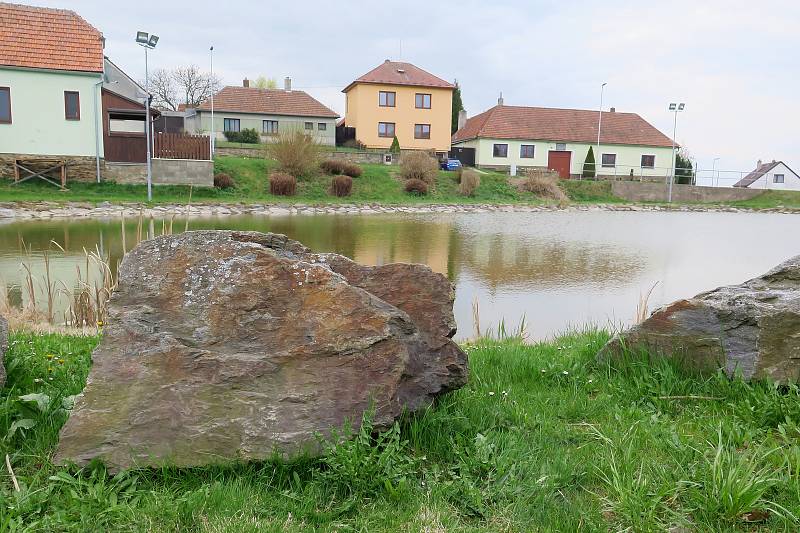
point(752, 328)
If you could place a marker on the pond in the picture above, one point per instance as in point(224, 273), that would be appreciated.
point(558, 270)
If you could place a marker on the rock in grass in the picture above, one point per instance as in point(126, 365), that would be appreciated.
point(224, 345)
point(3, 348)
point(752, 328)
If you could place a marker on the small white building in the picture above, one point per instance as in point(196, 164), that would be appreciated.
point(773, 176)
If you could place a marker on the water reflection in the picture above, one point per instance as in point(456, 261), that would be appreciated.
point(559, 269)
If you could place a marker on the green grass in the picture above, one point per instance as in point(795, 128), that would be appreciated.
point(772, 199)
point(543, 438)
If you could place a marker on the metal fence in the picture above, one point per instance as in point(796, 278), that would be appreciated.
point(696, 176)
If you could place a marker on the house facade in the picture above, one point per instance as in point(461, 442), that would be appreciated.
point(268, 111)
point(400, 99)
point(775, 176)
point(50, 103)
point(559, 140)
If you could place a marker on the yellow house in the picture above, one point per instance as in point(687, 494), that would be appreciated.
point(400, 99)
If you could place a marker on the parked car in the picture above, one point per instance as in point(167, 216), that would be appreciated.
point(450, 164)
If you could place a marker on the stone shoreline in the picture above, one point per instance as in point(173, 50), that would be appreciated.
point(51, 210)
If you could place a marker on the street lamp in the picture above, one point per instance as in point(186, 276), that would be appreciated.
point(211, 136)
point(675, 108)
point(148, 42)
point(599, 125)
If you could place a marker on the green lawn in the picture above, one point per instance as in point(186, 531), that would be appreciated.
point(772, 199)
point(543, 438)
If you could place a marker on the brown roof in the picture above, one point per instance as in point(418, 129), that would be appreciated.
point(563, 125)
point(58, 39)
point(267, 102)
point(399, 73)
point(760, 170)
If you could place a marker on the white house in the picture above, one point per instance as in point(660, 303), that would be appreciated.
point(774, 176)
point(559, 139)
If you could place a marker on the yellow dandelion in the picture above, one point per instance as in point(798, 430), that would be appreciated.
point(99, 323)
point(50, 356)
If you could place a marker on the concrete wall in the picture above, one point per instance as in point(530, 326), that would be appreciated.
point(628, 157)
point(38, 125)
point(363, 113)
point(658, 192)
point(202, 124)
point(165, 172)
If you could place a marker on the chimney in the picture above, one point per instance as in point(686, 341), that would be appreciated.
point(500, 100)
point(287, 84)
point(462, 118)
point(758, 164)
point(612, 110)
point(246, 83)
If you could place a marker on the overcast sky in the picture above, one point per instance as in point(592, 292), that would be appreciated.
point(736, 64)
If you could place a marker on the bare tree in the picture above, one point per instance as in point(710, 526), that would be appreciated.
point(182, 85)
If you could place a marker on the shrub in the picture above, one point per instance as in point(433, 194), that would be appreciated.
point(354, 143)
point(419, 166)
point(247, 135)
point(296, 152)
point(395, 147)
point(416, 186)
point(589, 169)
point(544, 187)
point(470, 180)
point(458, 172)
point(341, 185)
point(223, 181)
point(332, 166)
point(351, 169)
point(282, 184)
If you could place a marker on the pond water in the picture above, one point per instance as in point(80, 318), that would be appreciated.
point(559, 270)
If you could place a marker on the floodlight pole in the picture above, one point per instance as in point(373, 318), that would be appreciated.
point(147, 128)
point(674, 108)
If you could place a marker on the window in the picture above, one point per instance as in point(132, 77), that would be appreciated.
point(321, 126)
point(385, 129)
point(309, 125)
point(526, 151)
point(230, 124)
point(648, 161)
point(422, 101)
point(609, 160)
point(778, 178)
point(500, 150)
point(386, 98)
point(269, 126)
point(561, 147)
point(5, 105)
point(72, 105)
point(422, 131)
point(126, 123)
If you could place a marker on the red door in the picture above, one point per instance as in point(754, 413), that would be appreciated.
point(559, 162)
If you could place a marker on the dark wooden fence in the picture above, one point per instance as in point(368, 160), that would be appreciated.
point(181, 146)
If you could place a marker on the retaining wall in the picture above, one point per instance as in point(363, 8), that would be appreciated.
point(634, 191)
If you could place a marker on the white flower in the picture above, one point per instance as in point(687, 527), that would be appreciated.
point(565, 372)
point(590, 381)
point(491, 393)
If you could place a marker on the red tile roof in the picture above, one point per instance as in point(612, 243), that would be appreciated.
point(562, 125)
point(399, 73)
point(38, 37)
point(268, 102)
point(754, 176)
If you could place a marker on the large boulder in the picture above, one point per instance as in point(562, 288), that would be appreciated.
point(3, 348)
point(752, 328)
point(224, 345)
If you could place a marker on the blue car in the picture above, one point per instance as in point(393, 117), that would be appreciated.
point(450, 164)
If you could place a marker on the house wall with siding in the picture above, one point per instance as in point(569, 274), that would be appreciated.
point(628, 156)
point(39, 126)
point(791, 181)
point(363, 113)
point(202, 124)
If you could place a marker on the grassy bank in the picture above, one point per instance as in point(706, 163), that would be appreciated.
point(543, 438)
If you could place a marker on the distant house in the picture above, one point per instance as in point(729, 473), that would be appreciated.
point(559, 139)
point(401, 99)
point(123, 117)
point(51, 70)
point(775, 176)
point(268, 111)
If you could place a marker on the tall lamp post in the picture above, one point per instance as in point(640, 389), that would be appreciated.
point(675, 108)
point(148, 42)
point(211, 136)
point(714, 171)
point(599, 125)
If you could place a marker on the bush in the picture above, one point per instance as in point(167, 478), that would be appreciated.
point(419, 166)
point(544, 187)
point(332, 166)
point(458, 172)
point(296, 152)
point(247, 135)
point(395, 147)
point(282, 184)
point(415, 186)
point(354, 143)
point(223, 181)
point(351, 169)
point(341, 185)
point(470, 180)
point(589, 167)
